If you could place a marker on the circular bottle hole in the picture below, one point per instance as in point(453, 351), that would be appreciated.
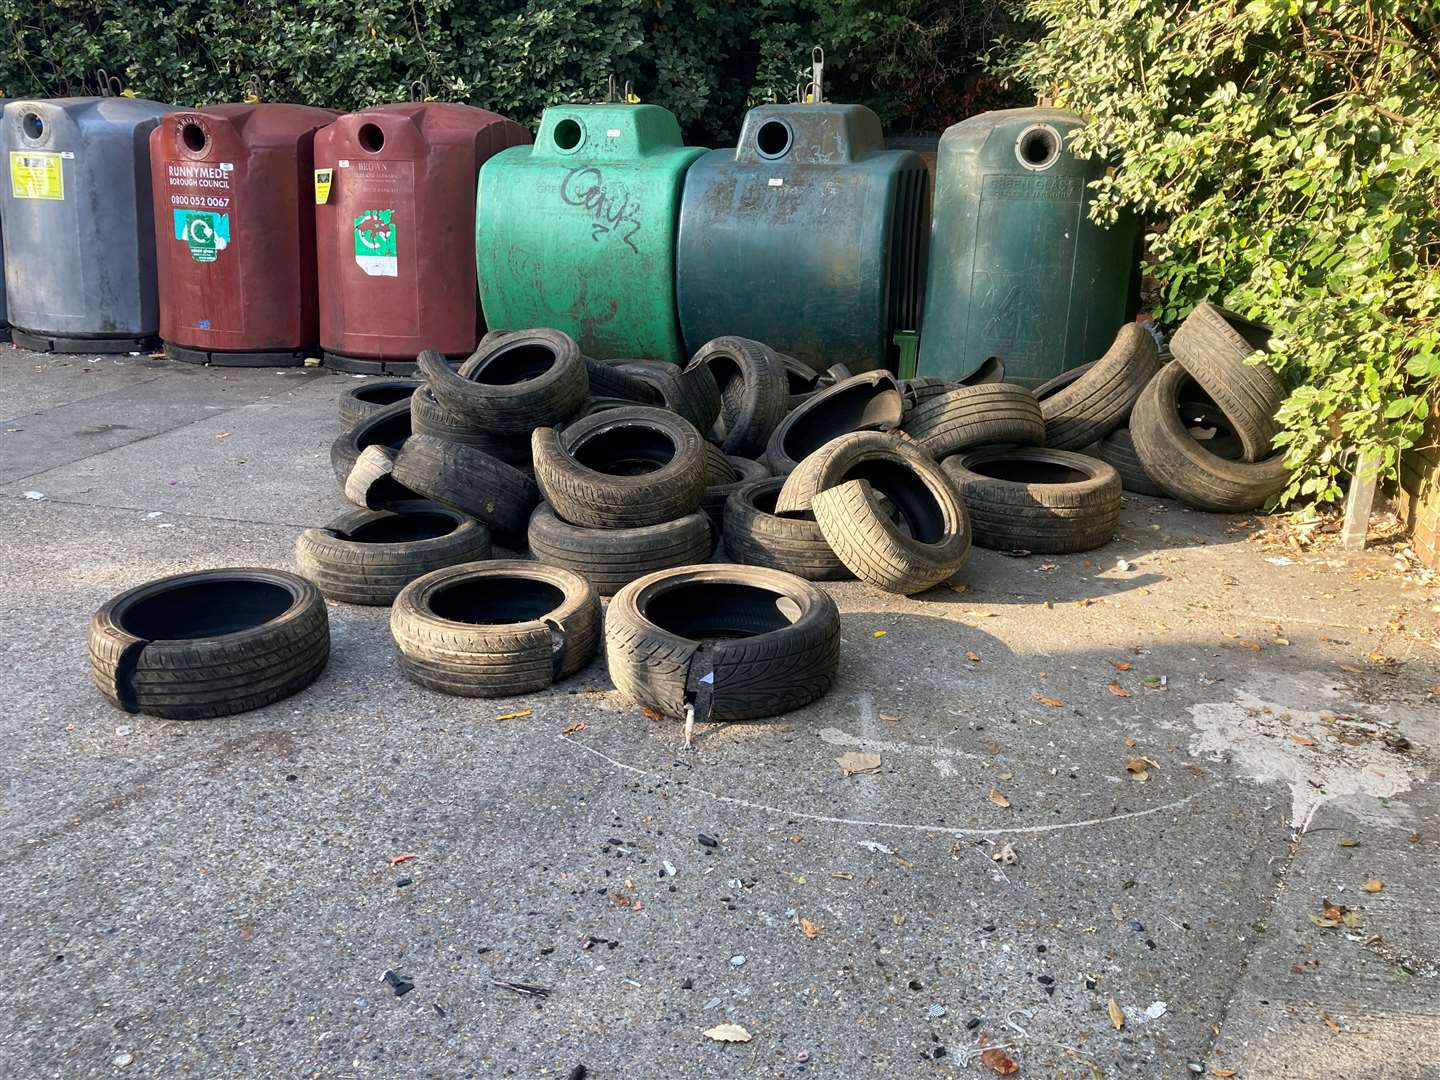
point(371, 138)
point(773, 138)
point(193, 136)
point(567, 134)
point(1038, 147)
point(33, 125)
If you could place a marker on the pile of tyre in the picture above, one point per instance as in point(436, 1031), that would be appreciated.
point(629, 479)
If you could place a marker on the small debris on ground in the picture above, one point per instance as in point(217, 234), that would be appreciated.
point(858, 762)
point(728, 1033)
point(397, 983)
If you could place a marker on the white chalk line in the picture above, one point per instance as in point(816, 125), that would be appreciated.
point(1088, 823)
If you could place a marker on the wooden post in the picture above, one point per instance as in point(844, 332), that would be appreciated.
point(1359, 502)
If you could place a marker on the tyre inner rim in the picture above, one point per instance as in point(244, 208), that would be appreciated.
point(487, 601)
point(403, 529)
point(913, 507)
point(1060, 382)
point(854, 409)
point(1021, 471)
point(384, 395)
point(205, 609)
point(1205, 422)
point(390, 432)
point(624, 451)
point(512, 364)
point(720, 610)
point(765, 498)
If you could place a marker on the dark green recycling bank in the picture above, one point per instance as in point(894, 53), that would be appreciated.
point(809, 236)
point(577, 232)
point(1018, 270)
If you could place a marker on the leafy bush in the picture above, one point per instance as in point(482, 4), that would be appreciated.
point(706, 60)
point(1290, 150)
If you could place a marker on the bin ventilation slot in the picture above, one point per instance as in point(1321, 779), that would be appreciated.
point(907, 251)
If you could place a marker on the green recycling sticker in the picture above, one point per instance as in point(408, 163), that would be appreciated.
point(375, 243)
point(206, 234)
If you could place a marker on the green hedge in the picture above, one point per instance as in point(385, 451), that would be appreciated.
point(706, 61)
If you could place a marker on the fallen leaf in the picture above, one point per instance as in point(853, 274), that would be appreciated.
point(1084, 601)
point(1054, 704)
point(1253, 646)
point(1116, 689)
point(1322, 922)
point(891, 717)
point(1373, 885)
point(1332, 911)
point(973, 657)
point(514, 715)
point(1129, 741)
point(1302, 740)
point(1122, 665)
point(1224, 1073)
point(998, 799)
point(571, 729)
point(728, 1033)
point(620, 900)
point(1348, 842)
point(1006, 856)
point(649, 713)
point(403, 857)
point(878, 633)
point(998, 1061)
point(1117, 1014)
point(1331, 1024)
point(1139, 768)
point(857, 762)
point(810, 928)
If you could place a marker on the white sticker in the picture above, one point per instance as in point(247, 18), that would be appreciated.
point(227, 166)
point(344, 163)
point(612, 133)
point(776, 181)
point(68, 154)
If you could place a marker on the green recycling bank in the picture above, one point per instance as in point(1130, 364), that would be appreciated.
point(577, 232)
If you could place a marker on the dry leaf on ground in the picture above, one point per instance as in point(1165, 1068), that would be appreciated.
point(1373, 885)
point(1006, 856)
point(649, 713)
point(578, 725)
point(1302, 740)
point(1225, 1074)
point(403, 857)
point(728, 1033)
point(1331, 1024)
point(998, 1061)
point(972, 656)
point(998, 799)
point(856, 762)
point(810, 928)
point(1117, 1014)
point(1052, 702)
point(1116, 689)
point(1122, 665)
point(1139, 768)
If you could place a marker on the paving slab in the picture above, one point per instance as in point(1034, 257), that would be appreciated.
point(219, 899)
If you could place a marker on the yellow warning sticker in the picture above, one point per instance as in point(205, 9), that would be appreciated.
point(36, 174)
point(323, 177)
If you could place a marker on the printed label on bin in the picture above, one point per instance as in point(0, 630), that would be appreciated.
point(776, 181)
point(375, 247)
point(206, 234)
point(323, 179)
point(36, 174)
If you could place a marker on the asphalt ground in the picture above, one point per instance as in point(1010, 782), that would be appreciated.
point(218, 899)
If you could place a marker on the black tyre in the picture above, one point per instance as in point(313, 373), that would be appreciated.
point(756, 536)
point(1212, 344)
point(1034, 499)
point(1118, 451)
point(976, 416)
point(725, 476)
point(992, 369)
point(923, 388)
point(494, 493)
point(691, 392)
point(612, 558)
point(754, 392)
point(1098, 400)
point(368, 556)
point(914, 537)
point(735, 643)
point(621, 468)
point(608, 381)
point(493, 629)
point(429, 417)
point(868, 402)
point(356, 403)
point(801, 381)
point(1183, 466)
point(389, 426)
point(208, 644)
point(519, 382)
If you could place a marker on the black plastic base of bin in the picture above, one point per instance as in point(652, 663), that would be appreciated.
point(370, 365)
point(234, 359)
point(4, 333)
point(26, 339)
